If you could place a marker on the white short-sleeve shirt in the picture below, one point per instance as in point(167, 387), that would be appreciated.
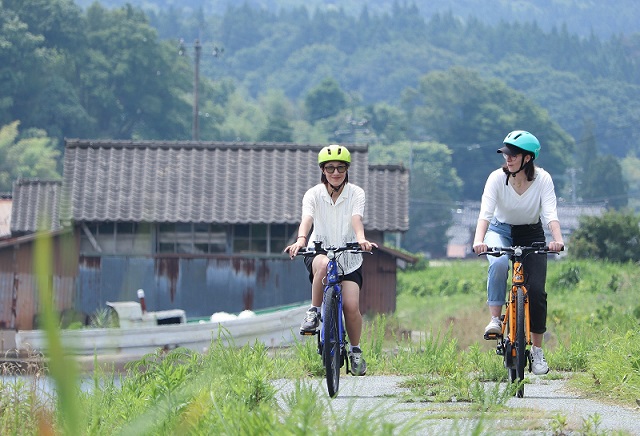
point(332, 221)
point(501, 201)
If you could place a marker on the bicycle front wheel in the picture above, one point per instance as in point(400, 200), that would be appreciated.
point(521, 344)
point(331, 349)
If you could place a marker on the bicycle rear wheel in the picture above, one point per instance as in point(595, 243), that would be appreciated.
point(331, 349)
point(521, 344)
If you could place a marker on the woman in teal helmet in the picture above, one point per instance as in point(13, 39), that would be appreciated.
point(334, 209)
point(518, 199)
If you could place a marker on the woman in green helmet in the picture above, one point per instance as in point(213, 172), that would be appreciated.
point(334, 209)
point(517, 200)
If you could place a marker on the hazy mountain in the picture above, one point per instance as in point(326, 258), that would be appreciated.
point(580, 16)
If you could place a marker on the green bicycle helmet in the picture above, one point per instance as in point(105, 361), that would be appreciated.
point(522, 140)
point(334, 152)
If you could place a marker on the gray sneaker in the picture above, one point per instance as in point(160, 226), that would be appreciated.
point(538, 363)
point(358, 365)
point(310, 323)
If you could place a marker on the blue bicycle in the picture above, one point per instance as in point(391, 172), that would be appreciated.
point(332, 342)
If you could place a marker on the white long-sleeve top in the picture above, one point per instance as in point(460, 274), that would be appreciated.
point(502, 202)
point(332, 221)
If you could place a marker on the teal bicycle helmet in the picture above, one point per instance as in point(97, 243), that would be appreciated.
point(523, 140)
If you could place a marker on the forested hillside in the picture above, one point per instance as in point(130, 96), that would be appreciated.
point(581, 17)
point(431, 90)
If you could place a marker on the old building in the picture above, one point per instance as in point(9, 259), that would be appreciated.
point(198, 225)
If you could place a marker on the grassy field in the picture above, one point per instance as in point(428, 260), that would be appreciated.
point(592, 324)
point(594, 313)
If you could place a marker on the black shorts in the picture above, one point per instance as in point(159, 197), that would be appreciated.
point(355, 276)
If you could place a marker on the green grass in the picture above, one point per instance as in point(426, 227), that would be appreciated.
point(434, 340)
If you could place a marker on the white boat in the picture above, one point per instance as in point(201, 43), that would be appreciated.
point(142, 332)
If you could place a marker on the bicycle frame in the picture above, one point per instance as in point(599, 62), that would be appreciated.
point(333, 350)
point(514, 341)
point(333, 281)
point(517, 282)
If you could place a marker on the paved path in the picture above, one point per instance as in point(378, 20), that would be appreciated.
point(546, 399)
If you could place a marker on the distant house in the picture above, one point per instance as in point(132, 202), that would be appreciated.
point(5, 215)
point(465, 219)
point(198, 225)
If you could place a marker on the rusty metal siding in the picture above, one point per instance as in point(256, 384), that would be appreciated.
point(18, 280)
point(200, 286)
point(378, 294)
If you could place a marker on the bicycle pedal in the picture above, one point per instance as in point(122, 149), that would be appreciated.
point(308, 333)
point(492, 336)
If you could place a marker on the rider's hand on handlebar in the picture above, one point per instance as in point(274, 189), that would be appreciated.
point(556, 246)
point(294, 248)
point(480, 247)
point(366, 245)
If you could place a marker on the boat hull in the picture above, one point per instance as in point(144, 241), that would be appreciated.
point(273, 329)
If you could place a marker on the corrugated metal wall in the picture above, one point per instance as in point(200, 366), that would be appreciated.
point(200, 286)
point(19, 298)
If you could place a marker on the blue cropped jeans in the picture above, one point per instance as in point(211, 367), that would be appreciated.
point(535, 266)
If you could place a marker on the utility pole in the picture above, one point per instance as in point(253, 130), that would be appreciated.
point(195, 131)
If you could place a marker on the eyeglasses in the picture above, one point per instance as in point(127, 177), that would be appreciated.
point(331, 169)
point(507, 157)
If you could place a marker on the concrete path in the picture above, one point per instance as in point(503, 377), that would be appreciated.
point(546, 399)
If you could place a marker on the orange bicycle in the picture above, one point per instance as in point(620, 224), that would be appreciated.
point(515, 339)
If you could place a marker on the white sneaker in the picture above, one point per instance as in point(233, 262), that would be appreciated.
point(538, 363)
point(495, 326)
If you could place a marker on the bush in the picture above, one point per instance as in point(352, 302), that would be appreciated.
point(614, 236)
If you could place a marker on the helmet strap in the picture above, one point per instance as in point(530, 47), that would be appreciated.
point(336, 188)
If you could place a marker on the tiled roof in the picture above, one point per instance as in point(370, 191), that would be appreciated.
point(35, 205)
point(387, 197)
point(186, 181)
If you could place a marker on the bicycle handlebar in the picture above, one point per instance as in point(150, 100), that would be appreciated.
point(349, 247)
point(519, 250)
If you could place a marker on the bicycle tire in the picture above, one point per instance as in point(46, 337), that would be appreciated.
point(331, 353)
point(521, 344)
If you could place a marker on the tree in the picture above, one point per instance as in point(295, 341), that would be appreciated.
point(325, 100)
point(19, 64)
point(30, 154)
point(434, 186)
point(132, 84)
point(601, 178)
point(46, 96)
point(388, 122)
point(614, 236)
point(278, 108)
point(604, 183)
point(472, 115)
point(631, 173)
